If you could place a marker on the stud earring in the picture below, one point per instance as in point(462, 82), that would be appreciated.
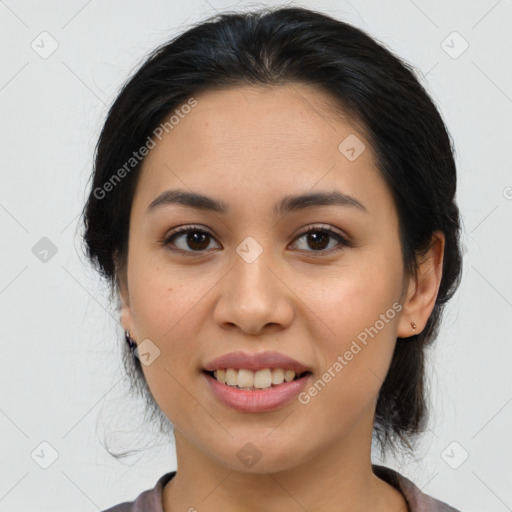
point(413, 325)
point(129, 340)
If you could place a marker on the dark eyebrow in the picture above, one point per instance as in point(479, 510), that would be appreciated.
point(191, 199)
point(287, 204)
point(299, 202)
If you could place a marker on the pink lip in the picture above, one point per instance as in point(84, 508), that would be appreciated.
point(256, 361)
point(257, 401)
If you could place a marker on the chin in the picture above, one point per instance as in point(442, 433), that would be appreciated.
point(260, 455)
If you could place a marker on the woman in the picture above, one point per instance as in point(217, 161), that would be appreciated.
point(273, 205)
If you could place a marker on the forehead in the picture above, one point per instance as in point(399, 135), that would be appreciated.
point(241, 120)
point(261, 143)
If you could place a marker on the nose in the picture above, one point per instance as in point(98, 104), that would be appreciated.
point(254, 297)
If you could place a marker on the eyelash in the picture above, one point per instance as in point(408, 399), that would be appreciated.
point(343, 242)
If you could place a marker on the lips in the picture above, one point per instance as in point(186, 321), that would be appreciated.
point(240, 380)
point(257, 401)
point(255, 362)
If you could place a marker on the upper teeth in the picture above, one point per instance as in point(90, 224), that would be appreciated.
point(261, 379)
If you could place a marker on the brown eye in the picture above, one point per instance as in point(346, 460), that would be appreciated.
point(189, 239)
point(318, 239)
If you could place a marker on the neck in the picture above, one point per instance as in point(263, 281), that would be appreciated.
point(339, 479)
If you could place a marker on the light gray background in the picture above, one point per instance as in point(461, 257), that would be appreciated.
point(60, 375)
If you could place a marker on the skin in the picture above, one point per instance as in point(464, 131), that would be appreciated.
point(249, 147)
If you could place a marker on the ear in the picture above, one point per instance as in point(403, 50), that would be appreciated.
point(126, 316)
point(423, 289)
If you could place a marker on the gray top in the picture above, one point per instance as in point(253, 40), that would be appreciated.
point(151, 500)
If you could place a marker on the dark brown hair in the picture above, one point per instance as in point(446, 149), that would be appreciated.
point(366, 81)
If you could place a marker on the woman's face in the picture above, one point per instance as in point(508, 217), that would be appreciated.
point(259, 278)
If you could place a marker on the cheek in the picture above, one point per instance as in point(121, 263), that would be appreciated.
point(355, 360)
point(164, 296)
point(362, 312)
point(356, 300)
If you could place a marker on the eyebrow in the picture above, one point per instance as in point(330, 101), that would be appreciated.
point(287, 204)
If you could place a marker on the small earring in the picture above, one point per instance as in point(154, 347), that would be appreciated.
point(129, 340)
point(413, 325)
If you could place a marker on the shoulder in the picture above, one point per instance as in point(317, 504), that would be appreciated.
point(147, 501)
point(416, 499)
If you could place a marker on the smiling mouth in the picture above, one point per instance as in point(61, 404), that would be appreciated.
point(248, 380)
